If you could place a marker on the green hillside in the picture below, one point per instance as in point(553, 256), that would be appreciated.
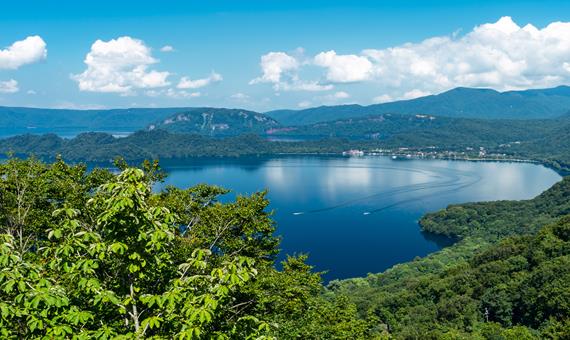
point(506, 278)
point(216, 122)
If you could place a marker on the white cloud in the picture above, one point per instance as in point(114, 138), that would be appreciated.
point(344, 68)
point(500, 55)
point(304, 104)
point(187, 83)
point(385, 98)
point(415, 93)
point(9, 86)
point(120, 66)
point(274, 65)
point(239, 96)
point(341, 95)
point(300, 85)
point(31, 92)
point(167, 48)
point(22, 52)
point(280, 69)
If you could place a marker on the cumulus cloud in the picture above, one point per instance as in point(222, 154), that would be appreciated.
point(9, 86)
point(167, 48)
point(344, 68)
point(304, 104)
point(22, 52)
point(500, 55)
point(281, 70)
point(187, 83)
point(274, 65)
point(120, 66)
point(384, 98)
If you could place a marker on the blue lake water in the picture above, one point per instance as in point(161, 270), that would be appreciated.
point(355, 216)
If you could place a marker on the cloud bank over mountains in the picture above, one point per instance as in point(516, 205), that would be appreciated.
point(500, 55)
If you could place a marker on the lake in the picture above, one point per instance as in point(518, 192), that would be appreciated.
point(359, 215)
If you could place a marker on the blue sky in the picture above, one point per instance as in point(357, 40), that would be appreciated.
point(264, 55)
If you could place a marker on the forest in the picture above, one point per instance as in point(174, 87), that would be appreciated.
point(99, 254)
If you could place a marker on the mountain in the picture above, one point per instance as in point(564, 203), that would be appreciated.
point(216, 122)
point(458, 102)
point(455, 130)
point(133, 119)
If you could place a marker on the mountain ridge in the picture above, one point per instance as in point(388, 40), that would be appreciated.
point(459, 102)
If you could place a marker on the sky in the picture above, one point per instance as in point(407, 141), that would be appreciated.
point(266, 55)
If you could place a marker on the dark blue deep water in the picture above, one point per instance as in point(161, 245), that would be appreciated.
point(355, 216)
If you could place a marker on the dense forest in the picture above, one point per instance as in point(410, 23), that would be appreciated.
point(506, 277)
point(98, 254)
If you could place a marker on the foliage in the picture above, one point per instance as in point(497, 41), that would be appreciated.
point(494, 220)
point(99, 255)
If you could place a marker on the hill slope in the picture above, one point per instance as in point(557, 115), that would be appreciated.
point(458, 102)
point(216, 122)
point(134, 118)
point(507, 277)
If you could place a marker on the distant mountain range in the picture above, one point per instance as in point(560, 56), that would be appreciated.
point(456, 103)
point(459, 102)
point(432, 129)
point(134, 119)
point(216, 122)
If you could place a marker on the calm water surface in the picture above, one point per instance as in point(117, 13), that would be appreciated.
point(355, 216)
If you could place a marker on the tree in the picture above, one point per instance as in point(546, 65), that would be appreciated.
point(109, 270)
